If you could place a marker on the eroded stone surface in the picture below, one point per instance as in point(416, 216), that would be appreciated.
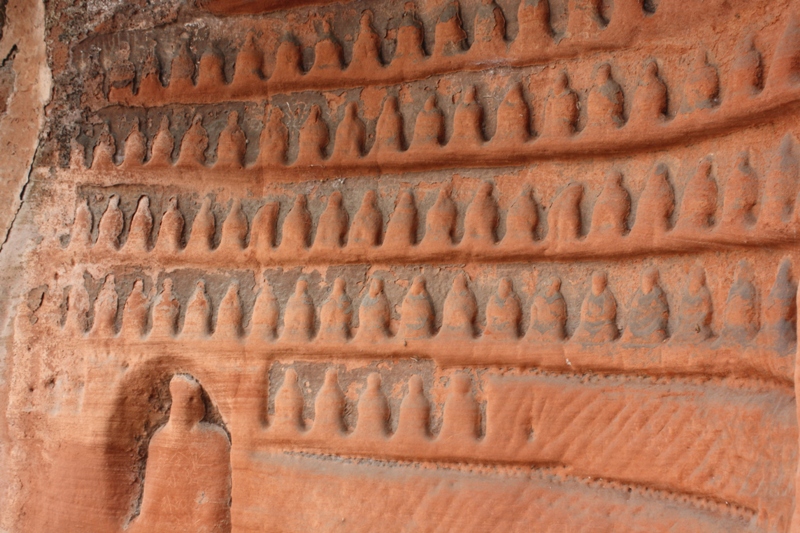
point(425, 266)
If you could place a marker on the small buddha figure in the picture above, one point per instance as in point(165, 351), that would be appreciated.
point(489, 29)
point(367, 46)
point(197, 323)
point(747, 72)
point(699, 199)
point(163, 145)
point(298, 319)
point(503, 313)
point(194, 145)
point(151, 76)
point(288, 60)
point(611, 210)
point(229, 316)
point(415, 411)
point(656, 204)
point(605, 104)
point(429, 128)
point(314, 138)
point(203, 228)
point(135, 146)
point(460, 416)
point(105, 150)
point(702, 85)
point(111, 224)
point(449, 36)
point(232, 144)
point(336, 314)
point(564, 218)
point(165, 312)
point(521, 220)
point(548, 313)
point(170, 234)
point(134, 314)
point(779, 320)
point(535, 31)
point(440, 220)
point(649, 312)
point(389, 137)
point(332, 226)
point(780, 188)
point(416, 314)
point(513, 119)
point(350, 135)
point(467, 122)
point(561, 109)
point(329, 408)
point(266, 311)
point(650, 99)
point(187, 487)
point(481, 217)
point(249, 61)
point(327, 52)
point(374, 314)
point(105, 309)
point(234, 229)
point(741, 318)
point(296, 225)
point(182, 69)
point(598, 313)
point(695, 310)
point(373, 411)
point(409, 38)
point(367, 224)
point(289, 405)
point(460, 311)
point(210, 75)
point(81, 232)
point(274, 141)
point(265, 228)
point(402, 226)
point(741, 195)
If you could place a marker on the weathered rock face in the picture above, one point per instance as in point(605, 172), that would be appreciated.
point(511, 265)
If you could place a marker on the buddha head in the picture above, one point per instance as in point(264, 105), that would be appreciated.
point(599, 283)
point(187, 403)
point(649, 279)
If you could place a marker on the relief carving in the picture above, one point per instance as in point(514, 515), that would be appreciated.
point(187, 477)
point(439, 266)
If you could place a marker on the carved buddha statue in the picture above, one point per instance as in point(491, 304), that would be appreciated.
point(187, 484)
point(598, 313)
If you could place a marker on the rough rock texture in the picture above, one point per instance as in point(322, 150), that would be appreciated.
point(510, 265)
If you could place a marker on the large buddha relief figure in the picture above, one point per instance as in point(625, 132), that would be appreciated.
point(187, 480)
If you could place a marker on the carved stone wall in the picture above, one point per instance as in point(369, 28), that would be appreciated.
point(488, 265)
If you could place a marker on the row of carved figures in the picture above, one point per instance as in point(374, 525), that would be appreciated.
point(745, 316)
point(604, 113)
point(535, 41)
point(461, 417)
point(749, 211)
